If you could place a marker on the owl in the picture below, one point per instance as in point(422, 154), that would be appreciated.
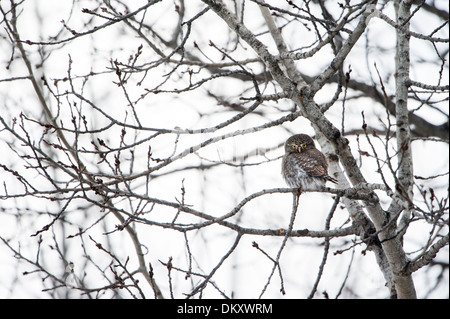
point(304, 166)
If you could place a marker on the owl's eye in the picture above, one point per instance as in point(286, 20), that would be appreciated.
point(304, 145)
point(294, 147)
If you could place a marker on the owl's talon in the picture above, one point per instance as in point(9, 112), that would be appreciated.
point(299, 191)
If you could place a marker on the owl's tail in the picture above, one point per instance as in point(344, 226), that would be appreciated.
point(331, 179)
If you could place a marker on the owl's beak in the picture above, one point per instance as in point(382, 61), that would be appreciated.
point(299, 149)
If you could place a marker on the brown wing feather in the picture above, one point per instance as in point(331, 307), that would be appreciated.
point(318, 170)
point(314, 162)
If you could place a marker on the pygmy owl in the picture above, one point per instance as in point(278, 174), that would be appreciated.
point(304, 166)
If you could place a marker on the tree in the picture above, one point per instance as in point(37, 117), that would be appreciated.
point(142, 144)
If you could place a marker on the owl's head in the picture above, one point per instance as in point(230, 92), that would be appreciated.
point(299, 143)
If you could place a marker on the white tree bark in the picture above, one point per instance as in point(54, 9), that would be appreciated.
point(404, 187)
